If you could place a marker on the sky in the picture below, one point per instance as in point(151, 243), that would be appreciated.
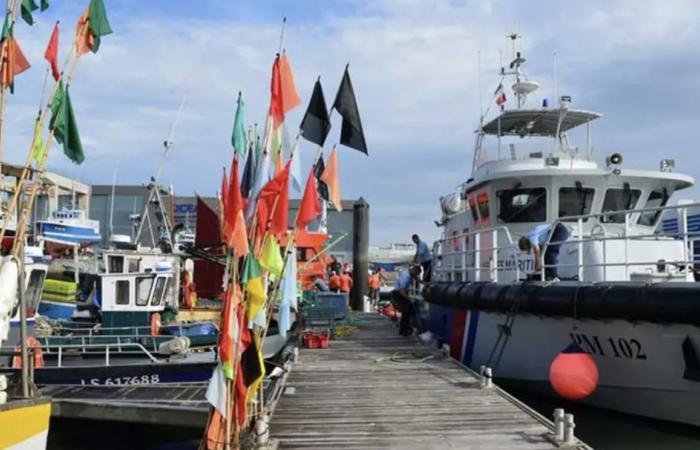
point(415, 69)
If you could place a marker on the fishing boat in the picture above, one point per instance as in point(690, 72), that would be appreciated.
point(11, 224)
point(68, 228)
point(625, 292)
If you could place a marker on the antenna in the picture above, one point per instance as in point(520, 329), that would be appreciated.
point(556, 78)
point(481, 102)
point(111, 207)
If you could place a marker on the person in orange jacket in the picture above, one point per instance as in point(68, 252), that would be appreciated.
point(374, 283)
point(334, 282)
point(345, 282)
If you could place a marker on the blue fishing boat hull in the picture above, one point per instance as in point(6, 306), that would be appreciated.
point(68, 234)
point(56, 310)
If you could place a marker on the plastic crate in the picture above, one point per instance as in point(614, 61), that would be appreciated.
point(322, 317)
point(339, 302)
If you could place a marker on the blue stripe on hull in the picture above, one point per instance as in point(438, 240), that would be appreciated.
point(56, 310)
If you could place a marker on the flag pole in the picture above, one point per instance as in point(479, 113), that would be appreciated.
point(284, 22)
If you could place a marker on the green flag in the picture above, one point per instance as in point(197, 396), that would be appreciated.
point(26, 10)
point(97, 22)
point(64, 125)
point(44, 5)
point(238, 139)
point(6, 28)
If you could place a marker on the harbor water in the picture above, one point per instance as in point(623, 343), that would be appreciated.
point(609, 430)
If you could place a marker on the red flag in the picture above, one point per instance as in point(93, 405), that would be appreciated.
point(234, 225)
point(310, 206)
point(51, 53)
point(273, 204)
point(276, 101)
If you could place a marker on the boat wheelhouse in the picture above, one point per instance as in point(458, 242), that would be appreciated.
point(626, 291)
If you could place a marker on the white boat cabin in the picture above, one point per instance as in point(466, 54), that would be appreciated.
point(532, 176)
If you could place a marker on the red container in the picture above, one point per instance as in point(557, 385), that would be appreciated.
point(316, 340)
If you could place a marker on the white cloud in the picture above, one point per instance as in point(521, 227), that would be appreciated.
point(413, 64)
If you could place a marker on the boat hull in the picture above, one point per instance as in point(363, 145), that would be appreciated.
point(25, 424)
point(57, 310)
point(61, 236)
point(122, 374)
point(645, 369)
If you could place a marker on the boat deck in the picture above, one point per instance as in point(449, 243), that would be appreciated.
point(357, 394)
point(166, 404)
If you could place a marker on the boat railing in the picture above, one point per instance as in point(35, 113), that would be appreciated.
point(91, 349)
point(629, 232)
point(460, 255)
point(54, 345)
point(133, 331)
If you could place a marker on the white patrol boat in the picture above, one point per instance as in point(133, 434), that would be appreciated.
point(626, 290)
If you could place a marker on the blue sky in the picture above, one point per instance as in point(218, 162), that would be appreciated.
point(414, 67)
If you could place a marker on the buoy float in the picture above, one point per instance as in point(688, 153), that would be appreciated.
point(573, 373)
point(32, 343)
point(155, 324)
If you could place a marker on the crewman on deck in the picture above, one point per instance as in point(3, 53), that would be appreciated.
point(423, 257)
point(402, 300)
point(320, 284)
point(535, 241)
point(334, 282)
point(374, 284)
point(345, 282)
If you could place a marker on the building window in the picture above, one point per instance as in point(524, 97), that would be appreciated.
point(121, 293)
point(575, 201)
point(143, 289)
point(523, 205)
point(657, 199)
point(158, 291)
point(619, 200)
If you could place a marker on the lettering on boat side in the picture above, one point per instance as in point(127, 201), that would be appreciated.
point(610, 346)
point(143, 379)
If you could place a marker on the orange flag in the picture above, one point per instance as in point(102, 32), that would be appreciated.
point(234, 222)
point(290, 97)
point(283, 92)
point(310, 207)
point(15, 62)
point(84, 40)
point(331, 178)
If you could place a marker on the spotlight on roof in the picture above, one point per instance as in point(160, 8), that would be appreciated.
point(667, 165)
point(615, 159)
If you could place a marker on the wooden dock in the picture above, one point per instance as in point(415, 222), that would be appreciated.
point(375, 389)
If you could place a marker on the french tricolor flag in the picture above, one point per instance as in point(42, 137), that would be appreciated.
point(500, 95)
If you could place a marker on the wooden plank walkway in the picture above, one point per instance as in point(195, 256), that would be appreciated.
point(355, 395)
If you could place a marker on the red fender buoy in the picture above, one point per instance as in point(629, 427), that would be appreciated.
point(38, 354)
point(573, 373)
point(155, 324)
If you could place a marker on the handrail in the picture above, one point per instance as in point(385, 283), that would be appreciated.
point(476, 251)
point(687, 237)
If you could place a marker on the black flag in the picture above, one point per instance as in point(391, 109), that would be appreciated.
point(351, 133)
point(321, 186)
point(315, 125)
point(248, 177)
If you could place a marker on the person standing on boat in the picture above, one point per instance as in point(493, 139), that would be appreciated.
point(423, 257)
point(536, 239)
point(402, 300)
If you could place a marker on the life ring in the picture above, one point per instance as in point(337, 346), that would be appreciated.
point(33, 344)
point(155, 324)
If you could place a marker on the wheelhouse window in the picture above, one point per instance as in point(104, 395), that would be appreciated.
point(121, 292)
point(523, 205)
point(483, 204)
point(619, 200)
point(116, 264)
point(472, 208)
point(574, 201)
point(133, 265)
point(143, 290)
point(158, 291)
point(657, 199)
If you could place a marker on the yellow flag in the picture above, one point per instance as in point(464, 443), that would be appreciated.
point(38, 147)
point(271, 259)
